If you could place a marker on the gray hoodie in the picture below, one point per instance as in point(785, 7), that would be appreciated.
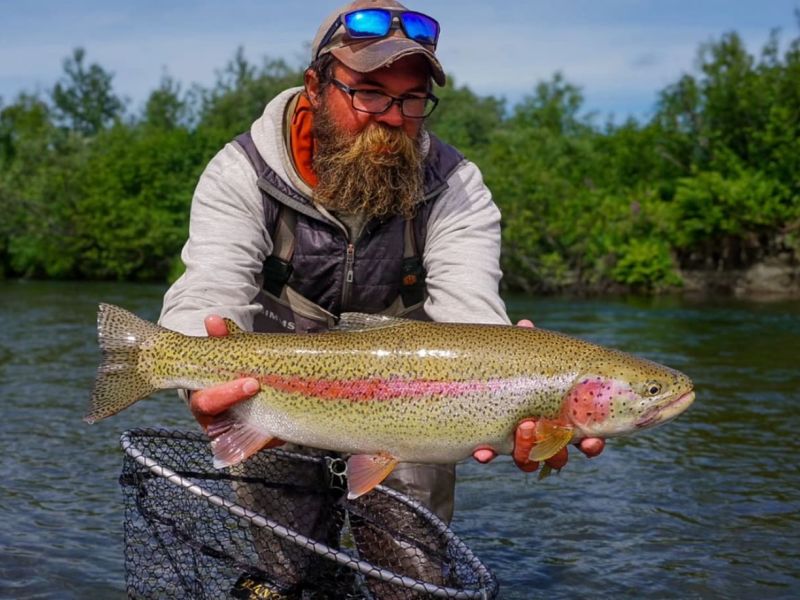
point(228, 240)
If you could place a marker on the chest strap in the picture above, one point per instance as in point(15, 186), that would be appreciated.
point(278, 266)
point(412, 284)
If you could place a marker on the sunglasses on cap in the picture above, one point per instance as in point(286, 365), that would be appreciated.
point(378, 22)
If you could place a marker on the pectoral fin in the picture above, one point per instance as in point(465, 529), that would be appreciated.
point(365, 471)
point(232, 441)
point(550, 438)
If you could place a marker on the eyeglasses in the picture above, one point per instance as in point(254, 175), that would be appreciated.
point(376, 103)
point(378, 22)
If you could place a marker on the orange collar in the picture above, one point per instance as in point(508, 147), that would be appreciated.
point(302, 140)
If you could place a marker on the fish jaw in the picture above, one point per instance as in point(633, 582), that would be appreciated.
point(665, 411)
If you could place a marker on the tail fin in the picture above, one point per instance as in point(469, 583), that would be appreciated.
point(119, 383)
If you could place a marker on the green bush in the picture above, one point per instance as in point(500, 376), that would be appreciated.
point(645, 265)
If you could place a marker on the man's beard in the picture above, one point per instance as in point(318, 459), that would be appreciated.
point(377, 172)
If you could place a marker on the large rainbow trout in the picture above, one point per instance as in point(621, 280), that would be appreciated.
point(390, 390)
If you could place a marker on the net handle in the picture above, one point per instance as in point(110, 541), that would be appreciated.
point(363, 567)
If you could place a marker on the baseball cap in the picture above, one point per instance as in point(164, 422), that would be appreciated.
point(365, 55)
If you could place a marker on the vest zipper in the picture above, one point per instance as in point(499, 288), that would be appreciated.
point(350, 258)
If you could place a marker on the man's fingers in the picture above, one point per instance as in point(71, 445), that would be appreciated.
point(214, 400)
point(525, 323)
point(528, 467)
point(484, 455)
point(524, 439)
point(559, 459)
point(215, 326)
point(591, 446)
point(206, 404)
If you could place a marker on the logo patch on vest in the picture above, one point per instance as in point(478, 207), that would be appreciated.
point(285, 323)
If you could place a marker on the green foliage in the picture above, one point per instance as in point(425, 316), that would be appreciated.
point(645, 264)
point(135, 201)
point(239, 96)
point(710, 181)
point(464, 119)
point(166, 108)
point(86, 195)
point(554, 107)
point(23, 123)
point(712, 206)
point(83, 99)
point(38, 187)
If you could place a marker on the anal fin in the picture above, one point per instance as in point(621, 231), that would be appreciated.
point(365, 471)
point(232, 441)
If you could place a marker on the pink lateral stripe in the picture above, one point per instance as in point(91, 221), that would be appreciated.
point(365, 390)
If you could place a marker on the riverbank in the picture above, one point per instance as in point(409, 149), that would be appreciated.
point(775, 278)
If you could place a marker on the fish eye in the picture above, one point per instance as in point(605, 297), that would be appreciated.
point(653, 388)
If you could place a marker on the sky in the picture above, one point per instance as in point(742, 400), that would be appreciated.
point(621, 53)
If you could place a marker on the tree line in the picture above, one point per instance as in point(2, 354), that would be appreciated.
point(90, 190)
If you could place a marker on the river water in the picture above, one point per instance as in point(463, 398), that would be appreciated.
point(705, 507)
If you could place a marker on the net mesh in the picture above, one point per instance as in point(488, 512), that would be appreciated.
point(278, 526)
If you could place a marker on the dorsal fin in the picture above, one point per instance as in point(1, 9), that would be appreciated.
point(233, 328)
point(361, 322)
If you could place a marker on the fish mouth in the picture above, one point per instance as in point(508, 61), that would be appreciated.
point(666, 411)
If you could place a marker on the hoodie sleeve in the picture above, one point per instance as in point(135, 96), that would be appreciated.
point(462, 253)
point(227, 245)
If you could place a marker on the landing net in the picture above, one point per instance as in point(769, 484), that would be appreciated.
point(278, 526)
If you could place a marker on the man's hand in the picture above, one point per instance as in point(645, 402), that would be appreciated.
point(206, 404)
point(525, 440)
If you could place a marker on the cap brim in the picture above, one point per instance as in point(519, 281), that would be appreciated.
point(370, 55)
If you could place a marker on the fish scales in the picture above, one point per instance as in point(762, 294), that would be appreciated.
point(477, 355)
point(413, 391)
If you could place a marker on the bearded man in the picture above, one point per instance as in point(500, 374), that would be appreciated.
point(336, 200)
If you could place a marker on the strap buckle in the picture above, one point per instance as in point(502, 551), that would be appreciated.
point(412, 288)
point(336, 473)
